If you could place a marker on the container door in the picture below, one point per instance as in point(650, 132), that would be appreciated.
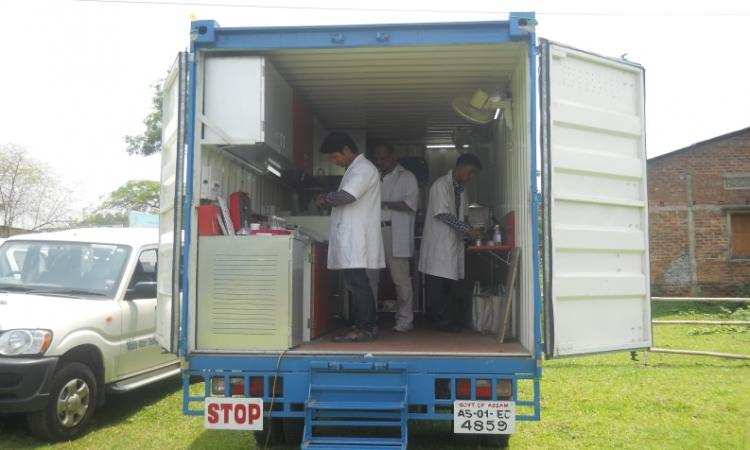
point(174, 109)
point(596, 258)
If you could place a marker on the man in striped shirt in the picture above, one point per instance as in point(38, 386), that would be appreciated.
point(441, 256)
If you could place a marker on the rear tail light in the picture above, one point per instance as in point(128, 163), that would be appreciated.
point(217, 385)
point(504, 389)
point(484, 390)
point(256, 387)
point(463, 389)
point(237, 386)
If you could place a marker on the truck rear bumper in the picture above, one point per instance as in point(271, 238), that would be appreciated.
point(24, 383)
point(433, 384)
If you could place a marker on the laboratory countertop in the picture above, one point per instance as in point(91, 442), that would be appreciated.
point(493, 247)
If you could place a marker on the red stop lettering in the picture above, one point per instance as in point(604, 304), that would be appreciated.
point(213, 416)
point(240, 413)
point(254, 413)
point(226, 409)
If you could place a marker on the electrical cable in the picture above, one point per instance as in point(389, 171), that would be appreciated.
point(405, 10)
point(273, 399)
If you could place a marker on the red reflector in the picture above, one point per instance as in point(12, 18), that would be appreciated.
point(484, 393)
point(463, 389)
point(256, 386)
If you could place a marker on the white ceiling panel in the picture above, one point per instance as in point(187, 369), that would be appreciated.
point(400, 93)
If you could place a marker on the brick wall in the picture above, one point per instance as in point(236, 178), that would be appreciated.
point(689, 209)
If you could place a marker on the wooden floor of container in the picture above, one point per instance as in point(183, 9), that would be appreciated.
point(422, 340)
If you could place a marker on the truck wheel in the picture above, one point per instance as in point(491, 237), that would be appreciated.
point(294, 428)
point(71, 404)
point(271, 434)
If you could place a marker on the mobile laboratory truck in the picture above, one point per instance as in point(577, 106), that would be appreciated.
point(244, 111)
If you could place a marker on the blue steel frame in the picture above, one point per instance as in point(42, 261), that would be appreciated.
point(296, 369)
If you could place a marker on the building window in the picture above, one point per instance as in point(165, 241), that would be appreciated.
point(737, 181)
point(739, 228)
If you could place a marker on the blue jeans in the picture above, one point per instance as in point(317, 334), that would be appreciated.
point(363, 314)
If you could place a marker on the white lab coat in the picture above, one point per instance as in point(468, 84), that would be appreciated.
point(442, 251)
point(355, 241)
point(400, 185)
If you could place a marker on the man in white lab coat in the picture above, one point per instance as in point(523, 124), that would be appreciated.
point(441, 256)
point(399, 196)
point(355, 241)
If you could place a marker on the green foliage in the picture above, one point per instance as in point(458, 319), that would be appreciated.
point(104, 220)
point(699, 311)
point(135, 195)
point(742, 290)
point(719, 329)
point(702, 311)
point(740, 314)
point(149, 142)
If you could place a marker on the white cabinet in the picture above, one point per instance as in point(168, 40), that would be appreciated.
point(250, 292)
point(246, 102)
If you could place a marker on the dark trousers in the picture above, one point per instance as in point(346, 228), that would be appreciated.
point(363, 314)
point(444, 297)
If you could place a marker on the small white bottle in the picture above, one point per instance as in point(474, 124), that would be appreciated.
point(496, 235)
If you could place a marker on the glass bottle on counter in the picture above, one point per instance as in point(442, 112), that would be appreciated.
point(497, 237)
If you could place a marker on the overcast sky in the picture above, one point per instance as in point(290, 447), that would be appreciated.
point(76, 76)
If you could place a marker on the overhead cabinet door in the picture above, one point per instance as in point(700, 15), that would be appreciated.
point(170, 202)
point(595, 212)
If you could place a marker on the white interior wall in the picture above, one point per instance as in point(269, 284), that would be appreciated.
point(513, 164)
point(233, 175)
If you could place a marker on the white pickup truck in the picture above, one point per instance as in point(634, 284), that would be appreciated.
point(77, 317)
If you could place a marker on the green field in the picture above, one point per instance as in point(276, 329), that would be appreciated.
point(605, 401)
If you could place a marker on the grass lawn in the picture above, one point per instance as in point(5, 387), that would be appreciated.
point(604, 401)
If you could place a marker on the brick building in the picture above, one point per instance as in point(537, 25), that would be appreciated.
point(699, 211)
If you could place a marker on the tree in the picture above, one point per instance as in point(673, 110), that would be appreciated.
point(149, 142)
point(135, 195)
point(31, 196)
point(97, 219)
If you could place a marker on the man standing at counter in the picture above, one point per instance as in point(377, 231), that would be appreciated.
point(355, 242)
point(399, 194)
point(441, 256)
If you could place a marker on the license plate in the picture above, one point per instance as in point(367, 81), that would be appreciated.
point(484, 417)
point(227, 413)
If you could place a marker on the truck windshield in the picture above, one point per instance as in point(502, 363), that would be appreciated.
point(62, 268)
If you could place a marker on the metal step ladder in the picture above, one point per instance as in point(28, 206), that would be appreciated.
point(350, 403)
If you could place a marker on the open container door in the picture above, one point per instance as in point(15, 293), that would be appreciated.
point(596, 273)
point(174, 109)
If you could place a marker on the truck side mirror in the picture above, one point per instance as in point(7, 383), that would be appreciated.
point(142, 289)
